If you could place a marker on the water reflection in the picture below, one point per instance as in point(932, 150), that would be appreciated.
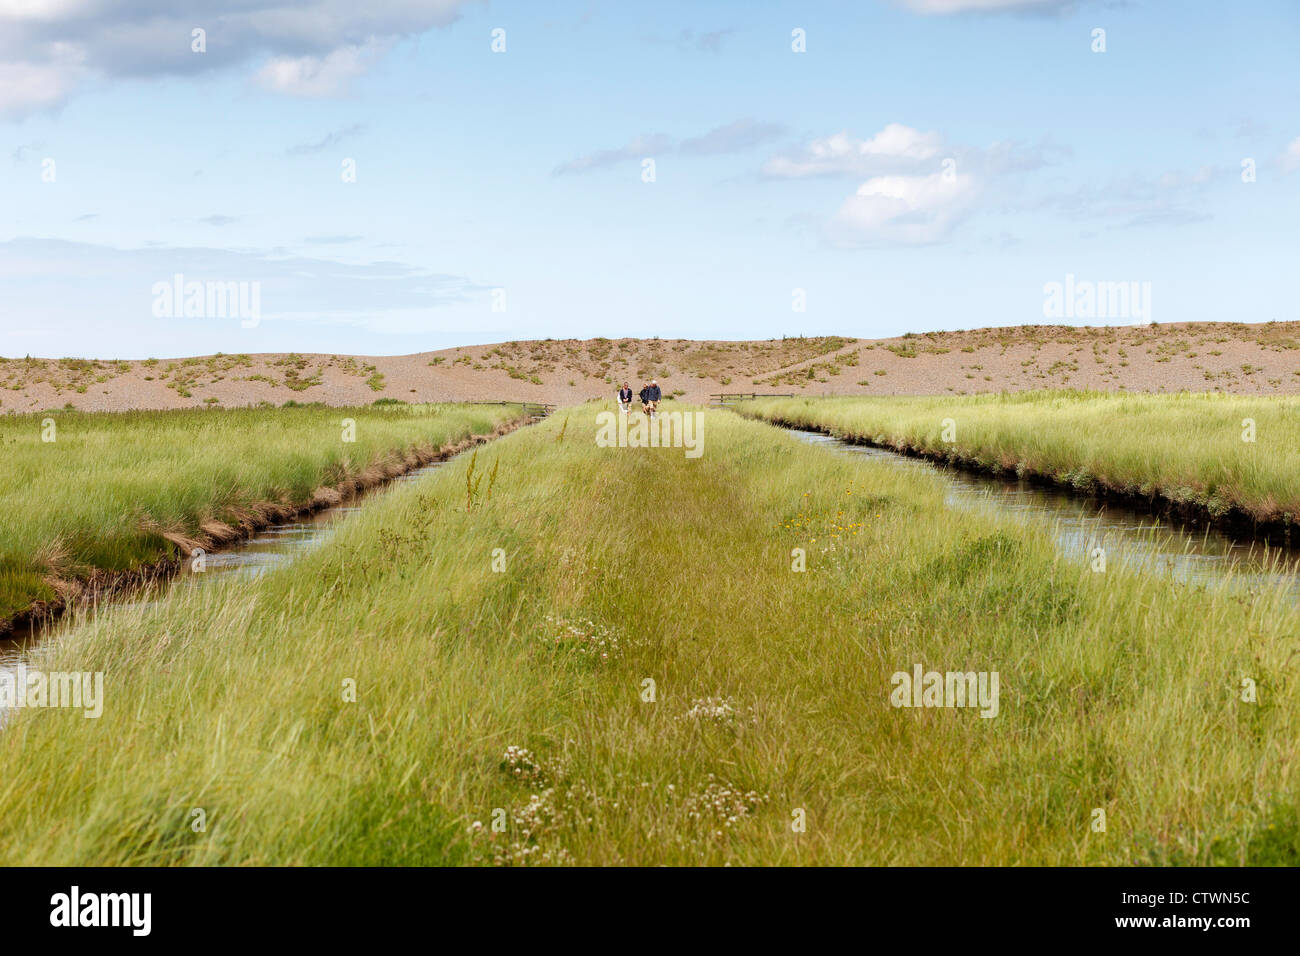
point(273, 547)
point(1079, 524)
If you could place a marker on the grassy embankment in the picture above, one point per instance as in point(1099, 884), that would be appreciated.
point(1186, 450)
point(101, 498)
point(1119, 693)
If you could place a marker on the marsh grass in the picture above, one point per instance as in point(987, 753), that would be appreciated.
point(1185, 448)
point(103, 495)
point(1118, 691)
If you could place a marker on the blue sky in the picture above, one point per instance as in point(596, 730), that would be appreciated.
point(924, 164)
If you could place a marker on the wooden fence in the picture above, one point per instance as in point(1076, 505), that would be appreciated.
point(727, 398)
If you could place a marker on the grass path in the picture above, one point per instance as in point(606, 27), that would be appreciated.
point(772, 687)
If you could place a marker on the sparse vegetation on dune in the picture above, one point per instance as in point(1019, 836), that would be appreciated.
point(114, 492)
point(1215, 356)
point(648, 358)
point(517, 691)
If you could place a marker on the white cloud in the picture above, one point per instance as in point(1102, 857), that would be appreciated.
point(27, 85)
point(895, 147)
point(915, 186)
point(902, 141)
point(49, 48)
point(319, 76)
point(904, 209)
point(38, 10)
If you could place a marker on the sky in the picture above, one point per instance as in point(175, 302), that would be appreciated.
point(395, 176)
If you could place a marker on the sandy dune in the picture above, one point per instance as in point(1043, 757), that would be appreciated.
point(1230, 357)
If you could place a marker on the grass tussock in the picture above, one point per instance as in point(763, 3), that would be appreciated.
point(435, 669)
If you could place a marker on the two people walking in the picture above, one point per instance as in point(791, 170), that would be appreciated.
point(650, 396)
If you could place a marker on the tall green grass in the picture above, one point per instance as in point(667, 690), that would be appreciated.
point(621, 565)
point(1187, 448)
point(100, 495)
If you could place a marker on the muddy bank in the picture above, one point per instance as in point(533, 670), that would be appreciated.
point(1236, 522)
point(101, 585)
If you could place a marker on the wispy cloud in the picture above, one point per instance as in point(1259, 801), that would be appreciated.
point(22, 152)
point(326, 141)
point(634, 149)
point(85, 285)
point(939, 7)
point(331, 240)
point(688, 40)
point(1134, 200)
point(734, 137)
point(710, 42)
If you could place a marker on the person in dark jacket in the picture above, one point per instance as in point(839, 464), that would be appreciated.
point(625, 398)
point(650, 396)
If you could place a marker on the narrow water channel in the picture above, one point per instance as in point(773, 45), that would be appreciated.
point(273, 547)
point(281, 544)
point(1079, 524)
